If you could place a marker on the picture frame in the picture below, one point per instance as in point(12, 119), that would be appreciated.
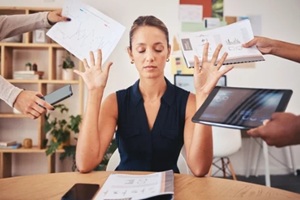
point(186, 81)
point(39, 36)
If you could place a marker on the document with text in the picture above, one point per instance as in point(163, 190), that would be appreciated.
point(134, 187)
point(232, 37)
point(88, 30)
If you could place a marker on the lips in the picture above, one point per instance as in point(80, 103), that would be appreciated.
point(150, 67)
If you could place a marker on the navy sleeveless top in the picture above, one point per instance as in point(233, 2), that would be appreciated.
point(140, 148)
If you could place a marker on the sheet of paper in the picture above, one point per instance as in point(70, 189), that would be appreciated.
point(231, 37)
point(190, 13)
point(88, 30)
point(127, 186)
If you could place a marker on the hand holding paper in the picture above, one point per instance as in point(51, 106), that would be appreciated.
point(232, 37)
point(89, 30)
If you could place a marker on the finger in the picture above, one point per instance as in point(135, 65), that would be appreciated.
point(221, 61)
point(107, 68)
point(85, 64)
point(249, 44)
point(34, 114)
point(99, 57)
point(216, 54)
point(92, 59)
point(252, 132)
point(266, 121)
point(197, 67)
point(205, 53)
point(77, 72)
point(42, 105)
point(226, 69)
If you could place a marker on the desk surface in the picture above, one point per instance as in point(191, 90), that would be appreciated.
point(53, 186)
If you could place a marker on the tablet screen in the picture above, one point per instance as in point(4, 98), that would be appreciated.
point(241, 108)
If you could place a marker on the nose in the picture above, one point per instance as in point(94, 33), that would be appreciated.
point(150, 56)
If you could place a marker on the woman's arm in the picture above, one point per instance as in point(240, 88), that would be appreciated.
point(198, 137)
point(99, 120)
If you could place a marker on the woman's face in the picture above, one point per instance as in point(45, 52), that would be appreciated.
point(149, 51)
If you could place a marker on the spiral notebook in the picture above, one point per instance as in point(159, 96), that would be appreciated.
point(231, 37)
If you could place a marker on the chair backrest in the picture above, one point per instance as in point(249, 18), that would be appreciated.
point(115, 160)
point(226, 141)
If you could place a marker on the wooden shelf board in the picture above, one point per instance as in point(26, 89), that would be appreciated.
point(12, 115)
point(22, 45)
point(43, 81)
point(34, 149)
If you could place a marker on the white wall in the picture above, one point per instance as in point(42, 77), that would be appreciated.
point(279, 19)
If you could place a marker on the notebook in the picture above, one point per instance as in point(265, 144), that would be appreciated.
point(231, 37)
point(241, 108)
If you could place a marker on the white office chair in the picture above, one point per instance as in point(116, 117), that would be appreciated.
point(225, 143)
point(115, 160)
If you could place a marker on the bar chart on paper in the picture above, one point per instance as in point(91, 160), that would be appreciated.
point(88, 30)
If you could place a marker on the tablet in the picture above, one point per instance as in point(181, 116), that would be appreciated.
point(241, 108)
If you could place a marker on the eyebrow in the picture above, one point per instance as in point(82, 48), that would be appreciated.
point(142, 44)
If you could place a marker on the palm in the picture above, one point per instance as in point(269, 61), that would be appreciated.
point(94, 76)
point(207, 75)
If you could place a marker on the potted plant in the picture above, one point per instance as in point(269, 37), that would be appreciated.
point(60, 130)
point(67, 66)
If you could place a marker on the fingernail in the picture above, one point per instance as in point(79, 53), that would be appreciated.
point(68, 19)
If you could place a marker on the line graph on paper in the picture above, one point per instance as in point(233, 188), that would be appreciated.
point(88, 30)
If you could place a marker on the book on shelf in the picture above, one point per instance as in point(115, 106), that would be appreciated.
point(7, 143)
point(28, 75)
point(14, 146)
point(158, 185)
point(231, 36)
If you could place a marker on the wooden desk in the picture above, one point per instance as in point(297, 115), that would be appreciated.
point(187, 187)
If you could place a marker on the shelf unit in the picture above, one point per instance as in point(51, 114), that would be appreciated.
point(8, 52)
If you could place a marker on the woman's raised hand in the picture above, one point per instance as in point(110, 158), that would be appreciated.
point(207, 73)
point(95, 76)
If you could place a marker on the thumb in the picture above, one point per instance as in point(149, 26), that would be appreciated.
point(107, 68)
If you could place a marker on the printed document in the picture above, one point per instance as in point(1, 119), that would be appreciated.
point(88, 30)
point(134, 187)
point(231, 37)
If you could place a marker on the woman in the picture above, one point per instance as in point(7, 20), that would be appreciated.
point(152, 118)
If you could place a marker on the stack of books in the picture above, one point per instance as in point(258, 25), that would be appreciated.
point(9, 144)
point(28, 75)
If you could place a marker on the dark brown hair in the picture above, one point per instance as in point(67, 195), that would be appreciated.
point(148, 21)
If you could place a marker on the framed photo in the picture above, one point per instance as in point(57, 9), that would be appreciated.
point(186, 81)
point(39, 36)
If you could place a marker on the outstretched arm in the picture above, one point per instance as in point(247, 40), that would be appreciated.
point(281, 130)
point(198, 137)
point(11, 25)
point(276, 47)
point(99, 120)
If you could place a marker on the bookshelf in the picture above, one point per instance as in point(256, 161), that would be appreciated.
point(13, 56)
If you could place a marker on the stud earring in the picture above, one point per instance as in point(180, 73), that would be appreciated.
point(131, 61)
point(168, 59)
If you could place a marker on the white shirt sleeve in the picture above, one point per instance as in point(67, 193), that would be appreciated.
point(8, 92)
